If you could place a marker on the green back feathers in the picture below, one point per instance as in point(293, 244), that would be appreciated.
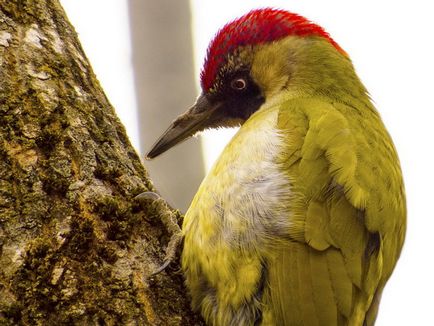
point(348, 214)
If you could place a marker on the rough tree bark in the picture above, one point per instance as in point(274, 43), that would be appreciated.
point(75, 247)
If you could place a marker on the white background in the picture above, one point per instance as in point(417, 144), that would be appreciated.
point(390, 43)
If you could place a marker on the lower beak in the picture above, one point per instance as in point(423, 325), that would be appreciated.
point(200, 116)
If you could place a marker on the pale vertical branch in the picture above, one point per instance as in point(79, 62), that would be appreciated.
point(164, 79)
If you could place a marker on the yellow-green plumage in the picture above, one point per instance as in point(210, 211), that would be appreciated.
point(302, 218)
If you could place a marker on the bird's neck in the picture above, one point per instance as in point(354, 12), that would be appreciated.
point(307, 67)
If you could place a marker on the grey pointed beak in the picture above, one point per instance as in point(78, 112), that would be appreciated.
point(200, 116)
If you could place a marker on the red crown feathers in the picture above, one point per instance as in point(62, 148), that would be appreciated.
point(256, 27)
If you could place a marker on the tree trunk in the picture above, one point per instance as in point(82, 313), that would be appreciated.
point(75, 247)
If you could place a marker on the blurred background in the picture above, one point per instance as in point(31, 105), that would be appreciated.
point(147, 55)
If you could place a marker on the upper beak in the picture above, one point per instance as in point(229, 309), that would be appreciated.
point(200, 116)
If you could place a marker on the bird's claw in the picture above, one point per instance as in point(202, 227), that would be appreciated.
point(148, 195)
point(168, 218)
point(161, 268)
point(171, 251)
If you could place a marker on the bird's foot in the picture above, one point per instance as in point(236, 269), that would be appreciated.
point(169, 220)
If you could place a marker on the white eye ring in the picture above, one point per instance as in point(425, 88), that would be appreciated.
point(238, 84)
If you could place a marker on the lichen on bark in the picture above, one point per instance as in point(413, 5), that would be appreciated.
point(75, 247)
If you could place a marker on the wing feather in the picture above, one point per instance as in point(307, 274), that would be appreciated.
point(348, 213)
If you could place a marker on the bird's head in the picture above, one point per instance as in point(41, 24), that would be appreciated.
point(250, 60)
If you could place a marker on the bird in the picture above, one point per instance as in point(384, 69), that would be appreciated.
point(302, 218)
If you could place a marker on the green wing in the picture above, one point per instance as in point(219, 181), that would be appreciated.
point(348, 212)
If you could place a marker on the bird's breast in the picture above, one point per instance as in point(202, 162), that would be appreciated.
point(246, 194)
point(240, 209)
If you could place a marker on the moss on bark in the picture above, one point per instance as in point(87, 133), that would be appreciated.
point(75, 248)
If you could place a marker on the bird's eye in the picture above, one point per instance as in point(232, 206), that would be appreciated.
point(238, 84)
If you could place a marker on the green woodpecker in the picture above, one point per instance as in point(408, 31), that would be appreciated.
point(302, 218)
